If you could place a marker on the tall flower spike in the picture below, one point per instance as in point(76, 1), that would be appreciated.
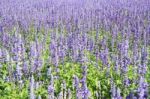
point(18, 72)
point(118, 94)
point(51, 89)
point(143, 61)
point(84, 91)
point(76, 85)
point(32, 95)
point(49, 71)
point(50, 92)
point(113, 89)
point(117, 65)
point(25, 68)
point(142, 90)
point(69, 94)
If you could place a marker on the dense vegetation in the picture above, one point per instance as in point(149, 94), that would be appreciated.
point(74, 49)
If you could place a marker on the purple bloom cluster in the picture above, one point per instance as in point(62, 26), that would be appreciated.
point(39, 37)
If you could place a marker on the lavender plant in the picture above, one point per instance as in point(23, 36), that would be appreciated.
point(74, 49)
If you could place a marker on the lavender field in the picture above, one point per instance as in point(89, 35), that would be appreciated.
point(74, 49)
